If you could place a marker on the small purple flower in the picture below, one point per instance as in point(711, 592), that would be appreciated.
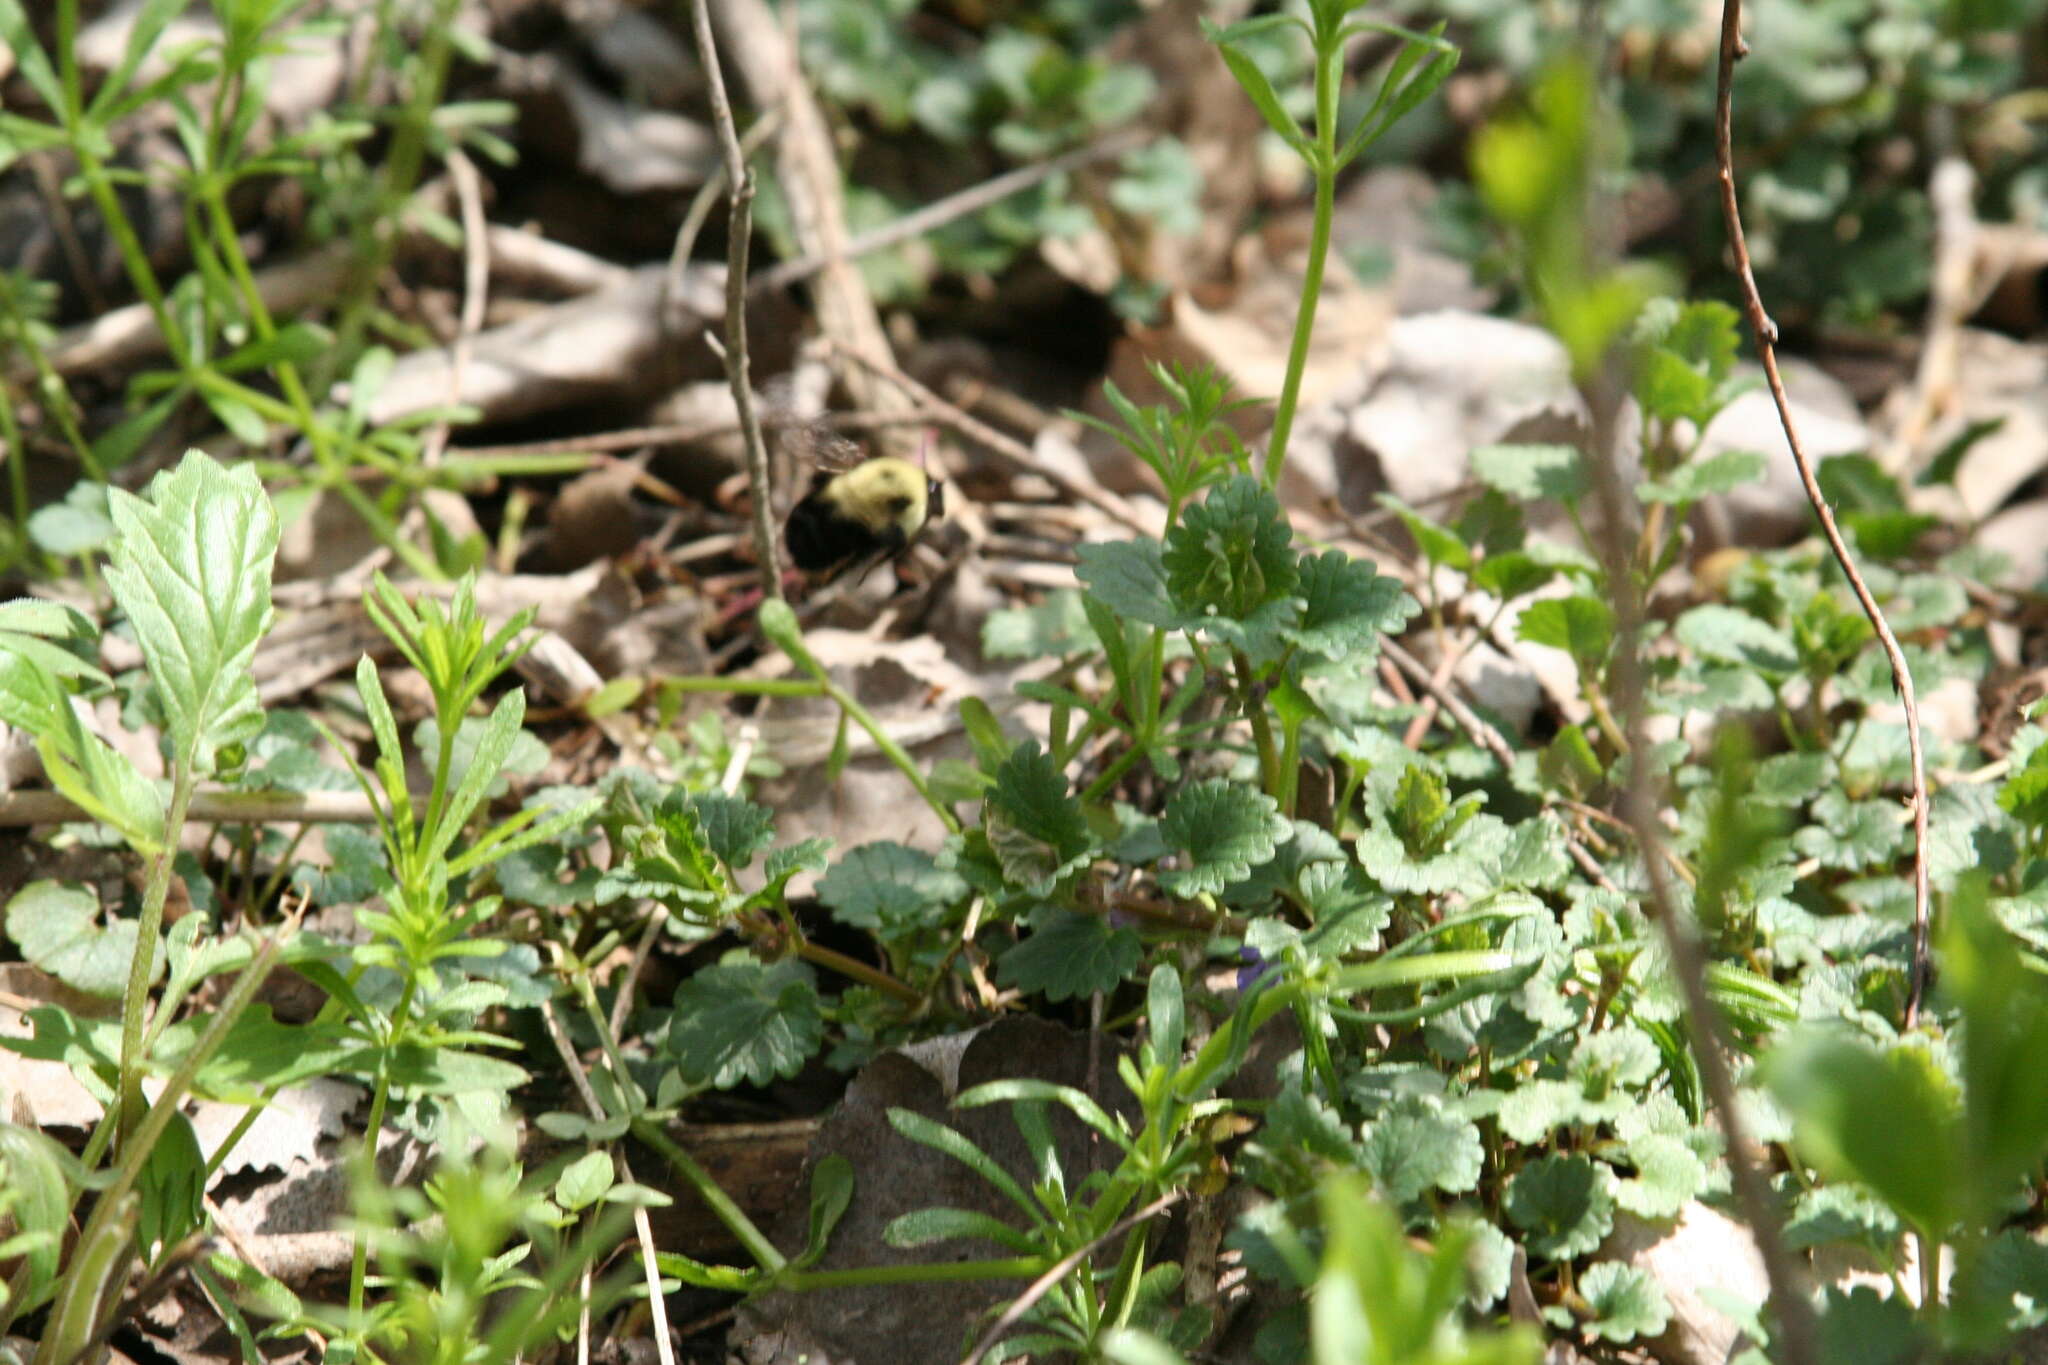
point(1256, 967)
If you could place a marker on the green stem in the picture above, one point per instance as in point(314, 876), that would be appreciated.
point(142, 966)
point(746, 687)
point(856, 970)
point(1305, 319)
point(1262, 724)
point(359, 1256)
point(936, 1272)
point(720, 1203)
point(779, 624)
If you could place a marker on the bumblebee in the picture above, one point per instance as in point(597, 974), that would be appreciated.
point(856, 516)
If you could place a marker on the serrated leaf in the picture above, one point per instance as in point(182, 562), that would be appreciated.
point(57, 927)
point(1563, 1204)
point(1230, 555)
point(1669, 1175)
point(1129, 577)
point(1582, 627)
point(887, 887)
point(1529, 472)
point(1720, 473)
point(1070, 955)
point(1732, 636)
point(1626, 1302)
point(191, 568)
point(1034, 824)
point(1416, 1147)
point(1348, 606)
point(735, 829)
point(1225, 829)
point(745, 1021)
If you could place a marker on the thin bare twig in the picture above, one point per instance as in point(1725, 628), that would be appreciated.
point(1604, 394)
point(940, 212)
point(741, 178)
point(700, 209)
point(1733, 47)
point(643, 1229)
point(1041, 1286)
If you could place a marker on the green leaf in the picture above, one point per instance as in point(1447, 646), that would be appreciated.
point(1439, 544)
point(831, 1194)
point(2005, 1035)
point(1225, 828)
point(1417, 1147)
point(1890, 1119)
point(1129, 577)
point(1562, 1204)
point(1731, 636)
point(1582, 627)
point(1626, 1302)
point(1254, 83)
point(243, 422)
point(584, 1182)
point(1165, 1015)
point(1790, 779)
point(1669, 1175)
point(172, 1184)
point(57, 927)
point(735, 829)
point(1530, 472)
point(33, 1170)
point(1070, 955)
point(1230, 555)
point(1720, 473)
point(745, 1021)
point(1034, 824)
point(1349, 605)
point(888, 888)
point(191, 568)
point(1511, 574)
point(1056, 626)
point(923, 1227)
point(79, 525)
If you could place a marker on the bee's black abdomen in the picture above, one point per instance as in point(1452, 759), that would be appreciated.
point(821, 537)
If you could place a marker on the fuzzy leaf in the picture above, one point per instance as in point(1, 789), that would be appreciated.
point(1564, 1205)
point(191, 568)
point(1349, 606)
point(735, 829)
point(1230, 555)
point(1417, 1147)
point(1626, 1302)
point(745, 1021)
point(1225, 828)
point(887, 886)
point(1529, 472)
point(1070, 955)
point(1034, 824)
